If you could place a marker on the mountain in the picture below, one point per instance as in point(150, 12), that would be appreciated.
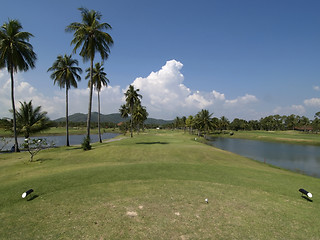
point(114, 118)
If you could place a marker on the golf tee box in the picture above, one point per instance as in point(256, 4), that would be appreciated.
point(305, 192)
point(25, 194)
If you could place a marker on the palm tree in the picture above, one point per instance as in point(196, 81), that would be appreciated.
point(132, 98)
point(140, 114)
point(16, 54)
point(91, 36)
point(99, 79)
point(224, 123)
point(190, 122)
point(124, 111)
point(203, 119)
point(31, 120)
point(65, 74)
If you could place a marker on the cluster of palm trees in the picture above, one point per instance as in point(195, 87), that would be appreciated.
point(90, 36)
point(138, 113)
point(203, 122)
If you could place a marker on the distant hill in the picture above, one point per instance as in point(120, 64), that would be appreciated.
point(114, 118)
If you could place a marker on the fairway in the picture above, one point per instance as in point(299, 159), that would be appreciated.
point(153, 186)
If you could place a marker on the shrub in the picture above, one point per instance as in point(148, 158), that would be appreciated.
point(86, 144)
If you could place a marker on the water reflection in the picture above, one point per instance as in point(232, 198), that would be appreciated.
point(61, 140)
point(301, 158)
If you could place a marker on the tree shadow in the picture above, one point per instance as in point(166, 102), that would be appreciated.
point(73, 148)
point(148, 143)
point(308, 199)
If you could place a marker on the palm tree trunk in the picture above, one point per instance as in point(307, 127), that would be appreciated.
point(16, 149)
point(99, 117)
point(67, 119)
point(131, 120)
point(90, 101)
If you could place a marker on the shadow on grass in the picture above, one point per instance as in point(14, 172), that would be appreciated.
point(73, 148)
point(308, 199)
point(32, 197)
point(148, 143)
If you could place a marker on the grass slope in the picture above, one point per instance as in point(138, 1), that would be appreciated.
point(153, 186)
point(294, 137)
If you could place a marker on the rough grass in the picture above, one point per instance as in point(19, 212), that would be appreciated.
point(153, 187)
point(294, 137)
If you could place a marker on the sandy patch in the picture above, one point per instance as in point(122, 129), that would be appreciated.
point(132, 214)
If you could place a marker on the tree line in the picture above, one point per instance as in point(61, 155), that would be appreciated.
point(203, 122)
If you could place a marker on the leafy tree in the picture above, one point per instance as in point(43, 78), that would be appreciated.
point(99, 79)
point(291, 121)
point(316, 122)
point(304, 122)
point(132, 99)
point(16, 54)
point(34, 146)
point(90, 35)
point(238, 124)
point(31, 120)
point(65, 74)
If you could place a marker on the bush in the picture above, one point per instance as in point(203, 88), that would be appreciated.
point(86, 144)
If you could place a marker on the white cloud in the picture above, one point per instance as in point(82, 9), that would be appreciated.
point(313, 102)
point(218, 96)
point(293, 109)
point(317, 88)
point(111, 98)
point(247, 99)
point(165, 95)
point(23, 92)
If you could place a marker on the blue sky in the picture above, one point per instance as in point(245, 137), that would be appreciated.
point(246, 59)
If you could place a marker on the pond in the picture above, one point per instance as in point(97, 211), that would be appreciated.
point(299, 158)
point(61, 140)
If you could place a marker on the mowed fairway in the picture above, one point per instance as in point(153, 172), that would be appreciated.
point(153, 186)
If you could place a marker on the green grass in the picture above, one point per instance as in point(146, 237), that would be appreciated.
point(153, 187)
point(294, 137)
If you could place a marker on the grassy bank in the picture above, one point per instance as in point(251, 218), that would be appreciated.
point(294, 137)
point(153, 187)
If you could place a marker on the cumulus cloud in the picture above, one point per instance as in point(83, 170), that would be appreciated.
point(111, 98)
point(313, 102)
point(165, 95)
point(23, 92)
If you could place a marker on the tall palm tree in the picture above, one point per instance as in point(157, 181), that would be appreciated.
point(89, 35)
point(16, 54)
point(99, 79)
point(65, 74)
point(31, 120)
point(132, 98)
